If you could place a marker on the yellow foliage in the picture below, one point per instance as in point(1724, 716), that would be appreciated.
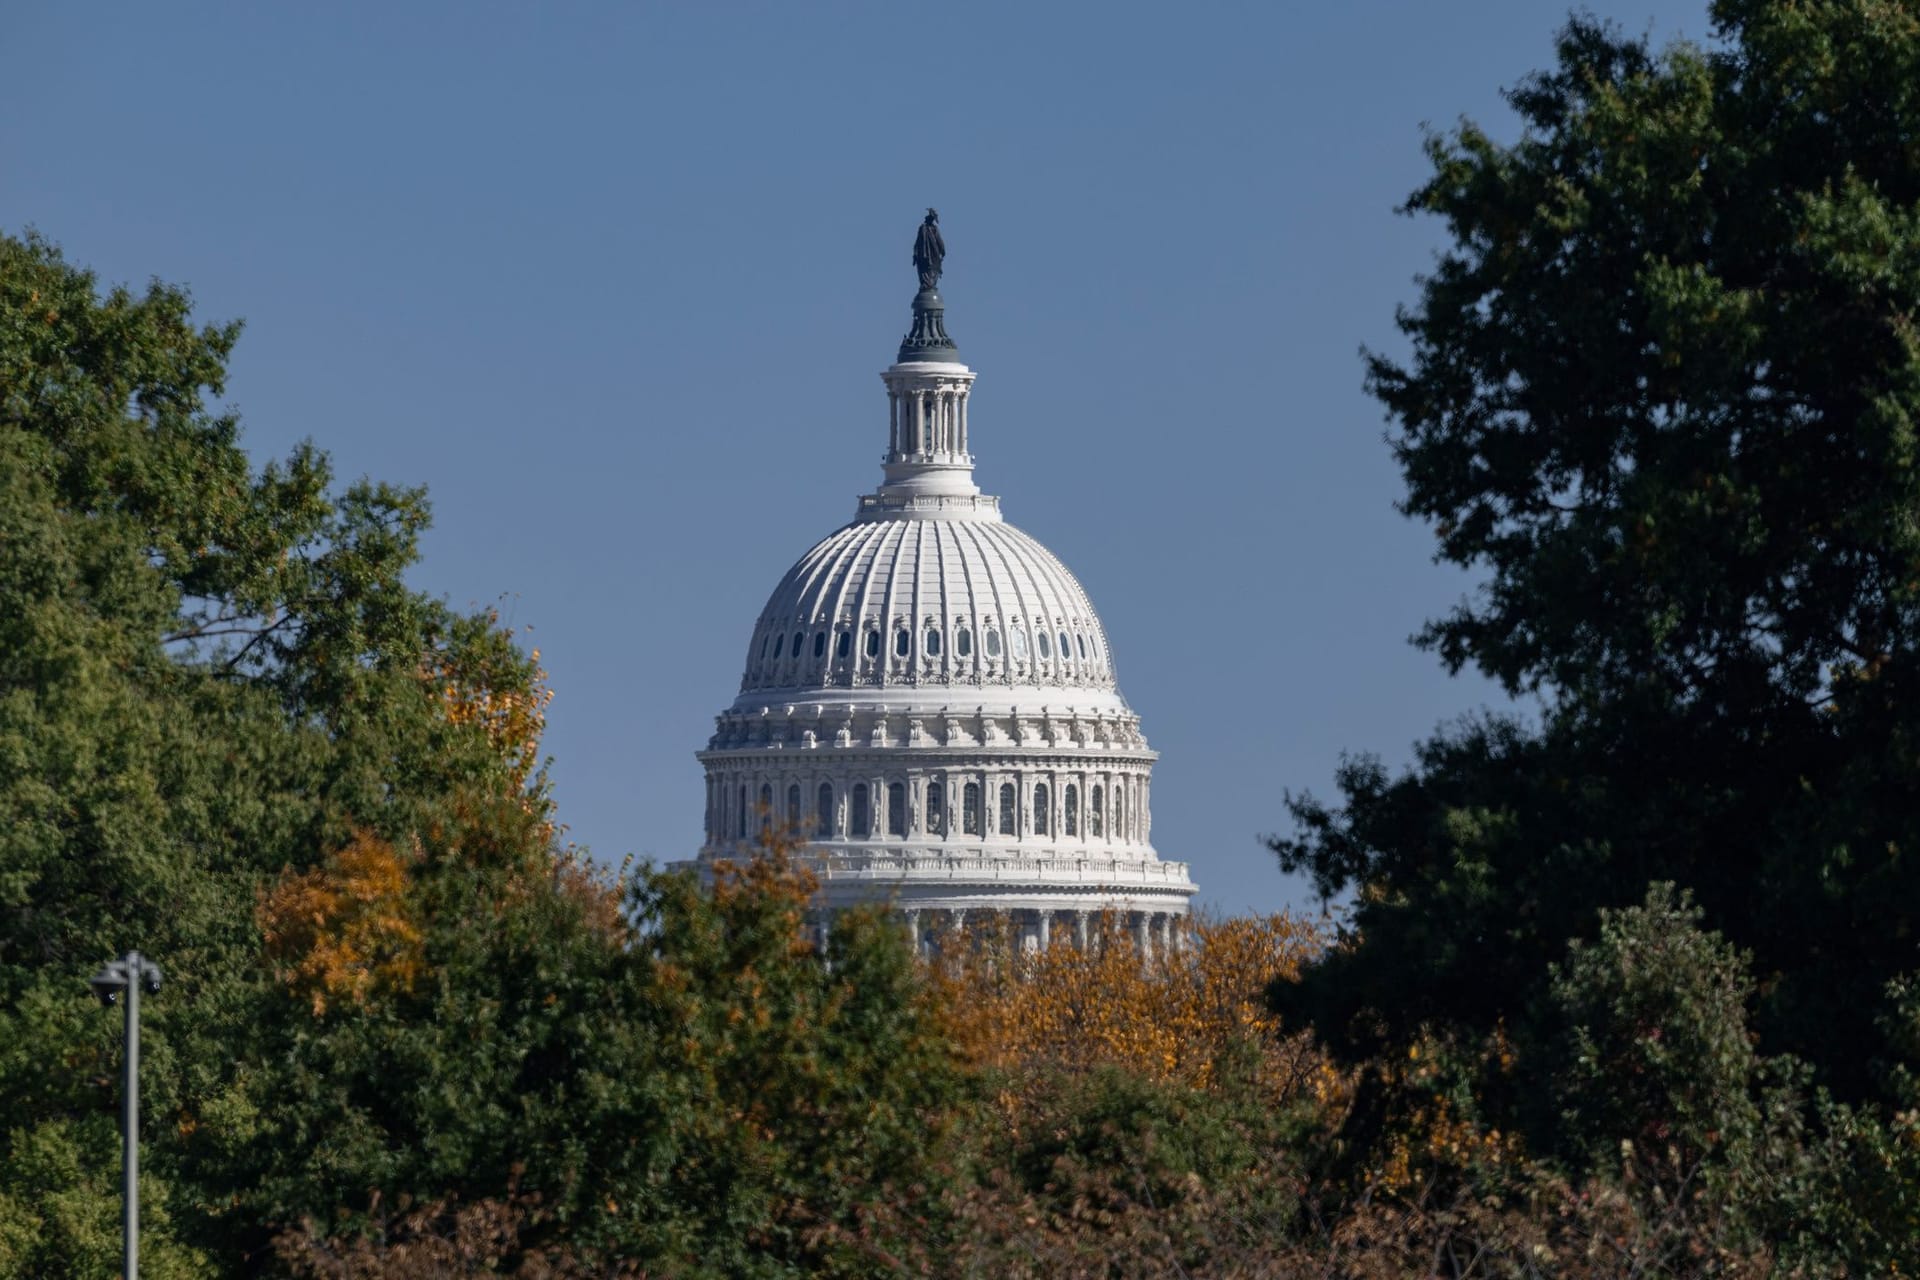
point(346, 928)
point(1433, 1135)
point(1180, 1018)
point(513, 717)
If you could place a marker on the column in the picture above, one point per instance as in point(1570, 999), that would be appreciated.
point(919, 421)
point(963, 423)
point(1080, 929)
point(1140, 939)
point(913, 930)
point(893, 422)
point(1046, 929)
point(1164, 921)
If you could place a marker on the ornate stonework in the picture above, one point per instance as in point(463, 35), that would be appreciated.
point(929, 700)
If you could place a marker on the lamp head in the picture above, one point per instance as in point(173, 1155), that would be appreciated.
point(108, 984)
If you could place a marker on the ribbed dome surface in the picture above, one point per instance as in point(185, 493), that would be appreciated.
point(905, 602)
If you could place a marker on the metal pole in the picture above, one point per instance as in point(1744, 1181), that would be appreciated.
point(130, 1121)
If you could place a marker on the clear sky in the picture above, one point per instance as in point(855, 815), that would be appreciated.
point(615, 280)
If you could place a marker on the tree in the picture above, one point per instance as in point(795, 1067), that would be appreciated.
point(1662, 393)
point(207, 673)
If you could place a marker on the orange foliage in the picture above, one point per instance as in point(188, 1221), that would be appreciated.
point(510, 706)
point(1182, 1018)
point(347, 927)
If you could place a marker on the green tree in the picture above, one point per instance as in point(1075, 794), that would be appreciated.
point(207, 673)
point(1662, 393)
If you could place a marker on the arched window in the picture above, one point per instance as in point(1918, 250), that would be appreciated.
point(766, 806)
point(1040, 814)
point(1046, 645)
point(873, 644)
point(1070, 810)
point(740, 814)
point(844, 645)
point(993, 643)
point(1066, 650)
point(823, 812)
point(963, 643)
point(1120, 831)
point(970, 811)
point(1096, 820)
point(860, 823)
point(902, 642)
point(1019, 642)
point(819, 644)
point(793, 806)
point(896, 809)
point(1007, 816)
point(933, 643)
point(936, 808)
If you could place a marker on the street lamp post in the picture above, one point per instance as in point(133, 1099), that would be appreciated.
point(128, 974)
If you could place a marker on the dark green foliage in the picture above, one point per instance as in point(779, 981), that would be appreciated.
point(205, 674)
point(709, 1099)
point(1662, 392)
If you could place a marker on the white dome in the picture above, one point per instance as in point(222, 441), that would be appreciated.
point(929, 705)
point(941, 605)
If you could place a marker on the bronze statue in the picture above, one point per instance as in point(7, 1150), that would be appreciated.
point(929, 250)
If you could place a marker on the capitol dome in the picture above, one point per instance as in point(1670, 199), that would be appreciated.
point(929, 701)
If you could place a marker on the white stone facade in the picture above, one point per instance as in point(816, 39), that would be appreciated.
point(929, 703)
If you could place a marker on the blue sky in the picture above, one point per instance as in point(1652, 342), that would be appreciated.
point(614, 281)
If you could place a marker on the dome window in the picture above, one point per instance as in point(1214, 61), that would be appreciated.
point(1046, 645)
point(896, 809)
point(799, 638)
point(933, 643)
point(764, 642)
point(823, 806)
point(963, 642)
point(819, 645)
point(1070, 810)
point(1040, 814)
point(993, 643)
point(1096, 818)
point(936, 803)
point(1007, 827)
point(873, 644)
point(970, 823)
point(793, 806)
point(766, 807)
point(902, 642)
point(740, 814)
point(860, 824)
point(1019, 642)
point(1066, 650)
point(1083, 647)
